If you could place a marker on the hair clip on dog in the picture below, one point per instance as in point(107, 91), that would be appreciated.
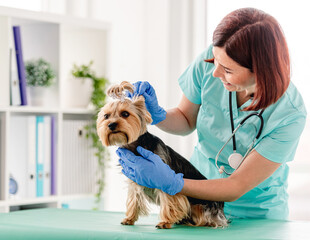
point(118, 91)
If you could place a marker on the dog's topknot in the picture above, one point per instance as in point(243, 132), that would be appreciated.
point(117, 91)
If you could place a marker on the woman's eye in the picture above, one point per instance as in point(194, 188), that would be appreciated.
point(125, 114)
point(106, 116)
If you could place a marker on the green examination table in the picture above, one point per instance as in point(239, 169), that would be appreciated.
point(80, 224)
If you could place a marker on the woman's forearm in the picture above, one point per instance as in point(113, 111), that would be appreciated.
point(176, 123)
point(182, 119)
point(224, 189)
point(254, 170)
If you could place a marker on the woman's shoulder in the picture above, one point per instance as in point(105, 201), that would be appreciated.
point(293, 98)
point(194, 79)
point(205, 54)
point(288, 110)
point(284, 124)
point(200, 62)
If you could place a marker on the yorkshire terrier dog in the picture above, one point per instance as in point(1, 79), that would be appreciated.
point(123, 123)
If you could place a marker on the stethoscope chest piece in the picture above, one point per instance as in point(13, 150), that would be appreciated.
point(235, 160)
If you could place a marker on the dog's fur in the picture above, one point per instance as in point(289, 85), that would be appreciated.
point(124, 123)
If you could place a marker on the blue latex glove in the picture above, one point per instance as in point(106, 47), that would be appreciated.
point(144, 88)
point(150, 171)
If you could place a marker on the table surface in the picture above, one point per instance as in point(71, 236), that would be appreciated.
point(80, 224)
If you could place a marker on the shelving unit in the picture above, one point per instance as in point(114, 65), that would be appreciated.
point(62, 41)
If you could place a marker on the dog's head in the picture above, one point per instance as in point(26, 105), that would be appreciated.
point(122, 121)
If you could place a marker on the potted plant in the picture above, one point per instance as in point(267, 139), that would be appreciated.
point(98, 98)
point(81, 87)
point(39, 75)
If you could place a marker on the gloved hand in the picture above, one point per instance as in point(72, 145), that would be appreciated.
point(144, 88)
point(150, 171)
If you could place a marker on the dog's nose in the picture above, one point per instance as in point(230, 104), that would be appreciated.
point(112, 126)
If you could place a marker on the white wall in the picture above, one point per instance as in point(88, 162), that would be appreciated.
point(127, 43)
point(153, 41)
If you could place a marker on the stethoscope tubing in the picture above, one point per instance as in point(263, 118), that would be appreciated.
point(246, 154)
point(259, 115)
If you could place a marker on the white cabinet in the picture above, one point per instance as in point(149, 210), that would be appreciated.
point(62, 41)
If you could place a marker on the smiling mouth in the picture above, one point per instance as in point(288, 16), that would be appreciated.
point(226, 83)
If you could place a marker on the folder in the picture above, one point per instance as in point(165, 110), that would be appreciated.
point(40, 155)
point(79, 171)
point(14, 82)
point(18, 154)
point(53, 156)
point(31, 166)
point(20, 64)
point(47, 156)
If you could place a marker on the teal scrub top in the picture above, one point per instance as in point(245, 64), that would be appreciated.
point(284, 122)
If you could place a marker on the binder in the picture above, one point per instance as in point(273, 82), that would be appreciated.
point(31, 162)
point(47, 156)
point(40, 155)
point(18, 154)
point(53, 156)
point(20, 65)
point(14, 82)
point(79, 171)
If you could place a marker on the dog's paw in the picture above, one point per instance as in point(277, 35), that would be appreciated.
point(126, 221)
point(164, 225)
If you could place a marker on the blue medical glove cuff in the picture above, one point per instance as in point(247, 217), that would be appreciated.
point(176, 186)
point(148, 92)
point(150, 171)
point(159, 116)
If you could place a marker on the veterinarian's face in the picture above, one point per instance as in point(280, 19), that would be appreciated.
point(233, 76)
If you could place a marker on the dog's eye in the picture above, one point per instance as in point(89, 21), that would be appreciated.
point(106, 116)
point(125, 114)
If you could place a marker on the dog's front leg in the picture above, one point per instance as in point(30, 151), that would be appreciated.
point(172, 209)
point(136, 204)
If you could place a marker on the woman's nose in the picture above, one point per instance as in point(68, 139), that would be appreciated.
point(217, 72)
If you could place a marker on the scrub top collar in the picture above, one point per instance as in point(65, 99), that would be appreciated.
point(235, 108)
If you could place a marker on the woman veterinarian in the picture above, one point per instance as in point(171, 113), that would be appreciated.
point(245, 71)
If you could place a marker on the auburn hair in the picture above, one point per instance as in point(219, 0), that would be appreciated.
point(255, 40)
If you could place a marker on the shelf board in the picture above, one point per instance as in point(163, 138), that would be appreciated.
point(30, 201)
point(31, 109)
point(40, 200)
point(33, 16)
point(78, 111)
point(46, 110)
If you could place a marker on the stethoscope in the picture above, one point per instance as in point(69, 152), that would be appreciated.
point(235, 159)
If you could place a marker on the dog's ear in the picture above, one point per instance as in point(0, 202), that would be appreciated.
point(139, 103)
